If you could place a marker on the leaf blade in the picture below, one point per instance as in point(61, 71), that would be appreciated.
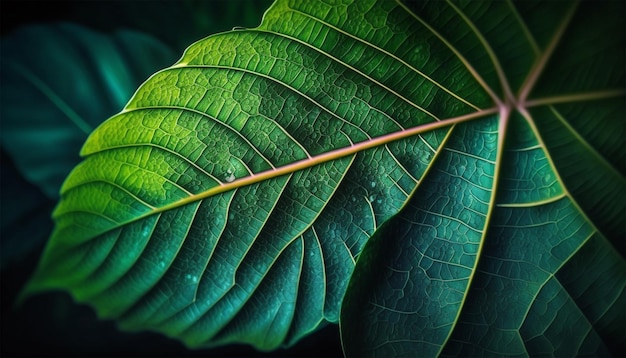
point(267, 150)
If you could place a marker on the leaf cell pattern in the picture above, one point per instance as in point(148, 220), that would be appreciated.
point(454, 169)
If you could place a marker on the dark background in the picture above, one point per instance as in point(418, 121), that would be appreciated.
point(52, 324)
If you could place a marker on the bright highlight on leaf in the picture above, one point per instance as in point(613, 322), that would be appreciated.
point(479, 145)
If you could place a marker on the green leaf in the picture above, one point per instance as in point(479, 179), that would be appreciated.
point(229, 200)
point(52, 98)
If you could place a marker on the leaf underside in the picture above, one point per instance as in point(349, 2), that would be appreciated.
point(475, 143)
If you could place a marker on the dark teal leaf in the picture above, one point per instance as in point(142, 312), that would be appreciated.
point(538, 268)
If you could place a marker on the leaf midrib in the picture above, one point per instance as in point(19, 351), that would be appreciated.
point(313, 161)
point(503, 120)
point(327, 156)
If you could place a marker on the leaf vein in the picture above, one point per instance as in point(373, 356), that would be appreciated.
point(390, 54)
point(456, 52)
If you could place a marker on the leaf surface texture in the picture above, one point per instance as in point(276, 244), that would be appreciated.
point(230, 199)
